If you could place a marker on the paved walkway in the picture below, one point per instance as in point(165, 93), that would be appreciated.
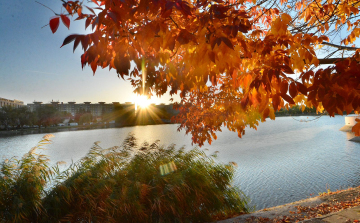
point(344, 216)
point(289, 212)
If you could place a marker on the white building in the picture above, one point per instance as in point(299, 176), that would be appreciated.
point(13, 103)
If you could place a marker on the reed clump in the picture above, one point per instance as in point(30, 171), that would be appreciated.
point(127, 183)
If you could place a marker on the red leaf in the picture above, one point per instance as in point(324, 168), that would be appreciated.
point(286, 69)
point(95, 22)
point(311, 96)
point(95, 2)
point(113, 16)
point(91, 10)
point(244, 102)
point(122, 64)
point(243, 28)
point(284, 87)
point(157, 29)
point(82, 16)
point(184, 37)
point(215, 41)
point(301, 88)
point(171, 43)
point(65, 20)
point(95, 38)
point(85, 42)
point(178, 6)
point(287, 98)
point(166, 13)
point(54, 24)
point(169, 5)
point(83, 59)
point(69, 39)
point(355, 103)
point(87, 22)
point(77, 41)
point(227, 42)
point(94, 66)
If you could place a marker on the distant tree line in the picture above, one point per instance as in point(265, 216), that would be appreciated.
point(296, 110)
point(18, 118)
point(45, 116)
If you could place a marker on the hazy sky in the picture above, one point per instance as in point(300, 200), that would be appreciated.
point(34, 67)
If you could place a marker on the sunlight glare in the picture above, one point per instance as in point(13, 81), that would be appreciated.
point(142, 101)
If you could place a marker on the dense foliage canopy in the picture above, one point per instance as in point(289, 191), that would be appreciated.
point(233, 62)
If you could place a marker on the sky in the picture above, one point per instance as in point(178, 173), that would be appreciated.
point(33, 67)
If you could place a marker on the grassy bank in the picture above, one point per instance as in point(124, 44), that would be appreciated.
point(128, 183)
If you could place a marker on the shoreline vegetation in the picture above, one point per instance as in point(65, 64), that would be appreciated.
point(105, 179)
point(126, 183)
point(126, 119)
point(53, 129)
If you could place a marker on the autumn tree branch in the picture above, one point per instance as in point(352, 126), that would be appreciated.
point(330, 60)
point(46, 7)
point(340, 47)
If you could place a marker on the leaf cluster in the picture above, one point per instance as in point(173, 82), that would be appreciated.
point(231, 62)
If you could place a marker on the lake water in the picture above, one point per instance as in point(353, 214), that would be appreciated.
point(283, 161)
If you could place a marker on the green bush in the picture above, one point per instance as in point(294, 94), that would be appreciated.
point(129, 183)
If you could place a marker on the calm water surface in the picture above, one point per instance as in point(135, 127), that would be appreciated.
point(283, 161)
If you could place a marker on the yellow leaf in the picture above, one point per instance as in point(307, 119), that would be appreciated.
point(272, 113)
point(286, 18)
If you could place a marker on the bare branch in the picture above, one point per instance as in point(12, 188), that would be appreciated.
point(46, 7)
point(340, 47)
point(330, 60)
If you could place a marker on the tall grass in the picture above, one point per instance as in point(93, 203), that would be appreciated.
point(129, 183)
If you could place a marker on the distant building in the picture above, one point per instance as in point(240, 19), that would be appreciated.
point(13, 103)
point(71, 107)
point(98, 109)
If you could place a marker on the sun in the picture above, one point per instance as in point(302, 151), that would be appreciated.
point(142, 101)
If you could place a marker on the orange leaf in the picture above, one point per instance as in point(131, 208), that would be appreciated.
point(79, 11)
point(212, 56)
point(276, 101)
point(266, 113)
point(356, 128)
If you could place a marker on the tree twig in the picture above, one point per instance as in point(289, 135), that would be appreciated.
point(340, 47)
point(46, 7)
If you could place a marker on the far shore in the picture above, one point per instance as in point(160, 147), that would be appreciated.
point(52, 129)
